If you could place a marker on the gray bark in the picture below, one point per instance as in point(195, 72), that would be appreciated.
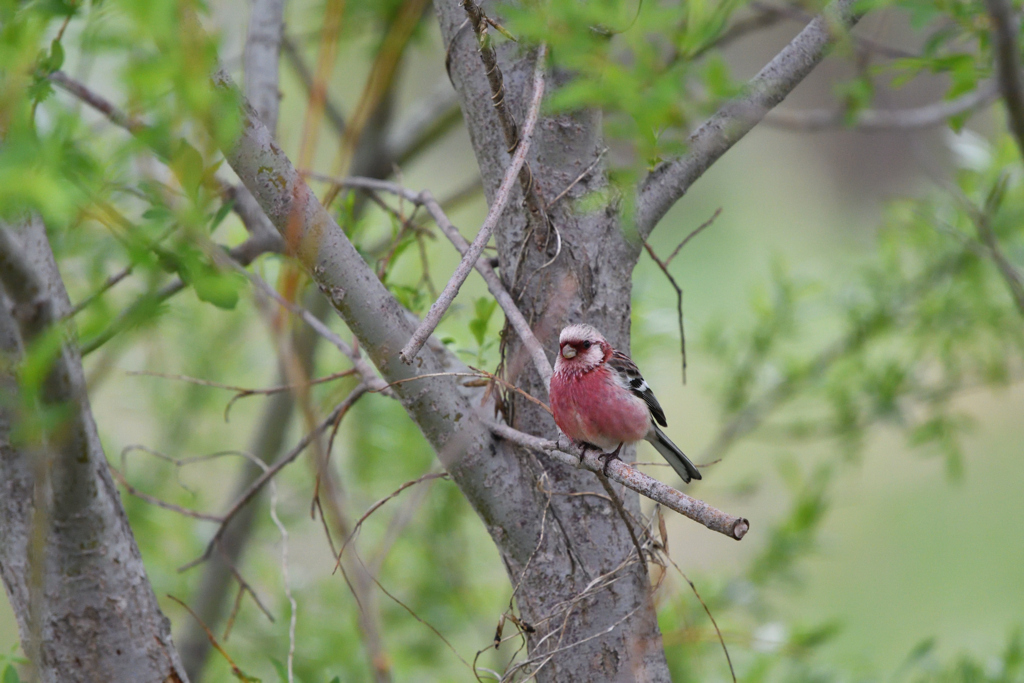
point(69, 562)
point(589, 281)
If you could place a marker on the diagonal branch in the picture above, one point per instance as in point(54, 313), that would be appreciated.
point(483, 266)
point(667, 183)
point(871, 120)
point(438, 309)
point(618, 471)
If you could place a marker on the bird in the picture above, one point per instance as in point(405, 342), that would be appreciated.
point(600, 400)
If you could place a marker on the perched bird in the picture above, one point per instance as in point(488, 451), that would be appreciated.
point(600, 400)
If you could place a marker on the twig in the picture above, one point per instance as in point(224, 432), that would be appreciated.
point(469, 259)
point(153, 500)
point(285, 578)
point(494, 284)
point(675, 285)
point(1007, 57)
point(578, 178)
point(365, 370)
point(1014, 281)
point(480, 22)
point(243, 392)
point(616, 503)
point(242, 255)
point(238, 673)
point(272, 470)
point(290, 51)
point(100, 291)
point(96, 101)
point(870, 120)
point(707, 611)
point(697, 510)
point(430, 476)
point(490, 377)
point(669, 181)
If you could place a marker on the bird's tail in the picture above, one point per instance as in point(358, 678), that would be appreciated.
point(675, 457)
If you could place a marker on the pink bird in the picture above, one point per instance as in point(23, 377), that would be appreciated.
point(600, 400)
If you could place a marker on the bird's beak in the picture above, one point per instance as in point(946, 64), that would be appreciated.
point(568, 352)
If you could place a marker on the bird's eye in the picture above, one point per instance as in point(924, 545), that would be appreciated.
point(586, 345)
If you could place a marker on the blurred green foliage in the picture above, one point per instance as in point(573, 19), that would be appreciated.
point(816, 366)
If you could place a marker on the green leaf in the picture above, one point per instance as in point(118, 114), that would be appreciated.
point(11, 675)
point(221, 214)
point(280, 668)
point(217, 288)
point(56, 59)
point(187, 164)
point(478, 326)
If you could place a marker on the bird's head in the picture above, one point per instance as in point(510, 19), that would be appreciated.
point(581, 348)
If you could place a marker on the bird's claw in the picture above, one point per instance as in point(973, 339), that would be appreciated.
point(608, 457)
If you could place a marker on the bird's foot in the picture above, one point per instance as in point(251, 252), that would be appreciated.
point(608, 457)
point(584, 447)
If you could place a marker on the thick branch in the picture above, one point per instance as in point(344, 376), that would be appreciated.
point(667, 183)
point(697, 510)
point(262, 54)
point(438, 309)
point(83, 614)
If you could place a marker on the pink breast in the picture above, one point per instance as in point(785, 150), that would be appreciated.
point(590, 408)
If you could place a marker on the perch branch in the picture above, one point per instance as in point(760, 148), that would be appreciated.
point(618, 471)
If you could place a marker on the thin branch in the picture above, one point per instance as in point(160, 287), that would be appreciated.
point(153, 500)
point(241, 255)
point(1007, 56)
point(96, 101)
point(430, 476)
point(667, 183)
point(469, 259)
point(238, 673)
point(286, 580)
point(483, 266)
point(480, 22)
point(663, 265)
point(697, 510)
point(1014, 281)
point(872, 120)
point(431, 118)
point(243, 392)
point(291, 52)
point(272, 470)
point(370, 378)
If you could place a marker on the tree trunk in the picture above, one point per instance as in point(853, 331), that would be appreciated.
point(69, 562)
point(608, 633)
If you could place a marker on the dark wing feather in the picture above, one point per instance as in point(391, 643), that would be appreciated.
point(622, 364)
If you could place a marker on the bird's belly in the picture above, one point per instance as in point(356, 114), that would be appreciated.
point(601, 415)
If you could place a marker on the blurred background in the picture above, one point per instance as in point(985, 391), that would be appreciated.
point(875, 560)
